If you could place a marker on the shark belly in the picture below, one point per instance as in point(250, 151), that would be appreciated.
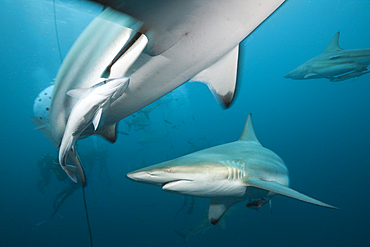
point(215, 29)
point(198, 48)
point(84, 65)
point(207, 189)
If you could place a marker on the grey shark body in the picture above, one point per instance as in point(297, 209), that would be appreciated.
point(89, 109)
point(193, 40)
point(334, 63)
point(227, 174)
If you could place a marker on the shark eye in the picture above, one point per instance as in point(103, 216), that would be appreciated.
point(168, 169)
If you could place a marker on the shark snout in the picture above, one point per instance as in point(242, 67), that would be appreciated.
point(292, 74)
point(132, 175)
point(147, 177)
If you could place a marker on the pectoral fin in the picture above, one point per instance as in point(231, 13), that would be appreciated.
point(75, 168)
point(221, 77)
point(129, 56)
point(71, 172)
point(97, 118)
point(277, 188)
point(309, 75)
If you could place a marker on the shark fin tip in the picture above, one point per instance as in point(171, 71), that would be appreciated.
point(248, 132)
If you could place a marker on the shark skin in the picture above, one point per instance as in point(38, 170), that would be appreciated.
point(89, 109)
point(227, 174)
point(88, 60)
point(334, 63)
point(194, 40)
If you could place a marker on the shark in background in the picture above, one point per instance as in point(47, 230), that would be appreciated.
point(195, 40)
point(227, 174)
point(334, 63)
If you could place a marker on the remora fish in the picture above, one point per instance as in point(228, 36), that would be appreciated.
point(196, 40)
point(256, 204)
point(334, 63)
point(89, 109)
point(226, 174)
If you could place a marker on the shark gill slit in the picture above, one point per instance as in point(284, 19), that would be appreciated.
point(235, 170)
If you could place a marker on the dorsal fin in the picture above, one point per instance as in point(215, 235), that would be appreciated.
point(333, 44)
point(248, 132)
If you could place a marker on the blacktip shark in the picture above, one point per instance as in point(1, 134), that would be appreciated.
point(334, 63)
point(193, 40)
point(89, 109)
point(226, 174)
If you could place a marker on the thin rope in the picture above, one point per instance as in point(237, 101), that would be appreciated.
point(56, 31)
point(87, 216)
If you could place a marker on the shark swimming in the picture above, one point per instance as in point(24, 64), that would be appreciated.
point(89, 109)
point(227, 174)
point(195, 40)
point(334, 63)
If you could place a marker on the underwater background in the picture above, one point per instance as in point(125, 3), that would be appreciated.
point(319, 128)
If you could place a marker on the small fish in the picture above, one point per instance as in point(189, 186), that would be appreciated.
point(256, 204)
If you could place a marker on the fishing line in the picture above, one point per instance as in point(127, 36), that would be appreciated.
point(87, 216)
point(56, 31)
point(83, 188)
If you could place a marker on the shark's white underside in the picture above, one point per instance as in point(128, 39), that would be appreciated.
point(187, 39)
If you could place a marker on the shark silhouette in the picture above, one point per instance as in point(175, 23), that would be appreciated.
point(334, 63)
point(226, 174)
point(193, 40)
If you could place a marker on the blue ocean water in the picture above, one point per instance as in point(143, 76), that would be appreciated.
point(319, 128)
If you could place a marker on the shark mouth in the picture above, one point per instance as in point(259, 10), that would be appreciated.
point(172, 184)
